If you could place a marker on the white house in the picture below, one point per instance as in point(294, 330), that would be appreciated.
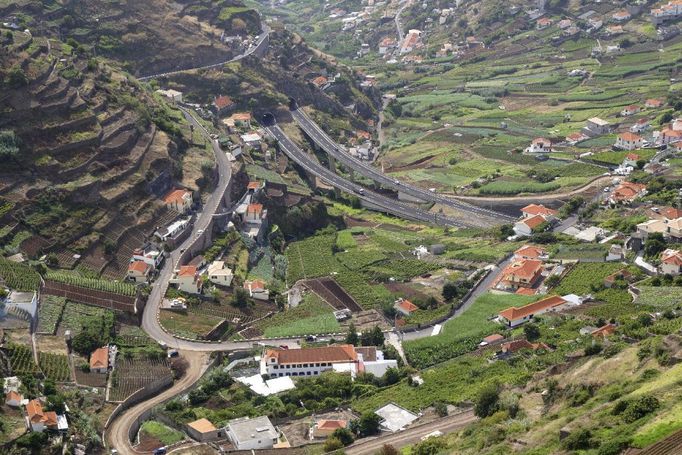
point(173, 95)
point(138, 271)
point(219, 274)
point(13, 399)
point(640, 126)
point(252, 434)
point(525, 226)
point(515, 316)
point(99, 360)
point(596, 126)
point(203, 430)
point(187, 279)
point(630, 160)
point(405, 307)
point(257, 289)
point(179, 200)
point(630, 110)
point(629, 141)
point(671, 262)
point(38, 419)
point(540, 145)
point(149, 255)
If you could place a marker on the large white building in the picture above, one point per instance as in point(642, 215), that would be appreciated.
point(313, 361)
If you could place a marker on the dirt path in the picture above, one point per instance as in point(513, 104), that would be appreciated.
point(605, 179)
point(117, 433)
point(411, 435)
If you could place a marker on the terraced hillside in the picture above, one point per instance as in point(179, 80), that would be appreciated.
point(153, 36)
point(87, 153)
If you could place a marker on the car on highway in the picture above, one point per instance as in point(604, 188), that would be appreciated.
point(361, 191)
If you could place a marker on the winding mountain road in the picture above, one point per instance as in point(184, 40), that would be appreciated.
point(260, 40)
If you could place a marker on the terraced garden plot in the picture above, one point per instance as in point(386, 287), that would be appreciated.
point(76, 315)
point(229, 312)
point(312, 316)
point(131, 375)
point(21, 360)
point(463, 333)
point(660, 296)
point(18, 276)
point(188, 325)
point(311, 258)
point(50, 313)
point(132, 336)
point(54, 366)
point(585, 276)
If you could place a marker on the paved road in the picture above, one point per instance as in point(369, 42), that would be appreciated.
point(311, 165)
point(398, 25)
point(253, 48)
point(482, 288)
point(412, 435)
point(472, 215)
point(117, 434)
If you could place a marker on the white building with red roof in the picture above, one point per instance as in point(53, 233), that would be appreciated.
point(343, 358)
point(524, 273)
point(138, 271)
point(540, 145)
point(626, 193)
point(405, 307)
point(515, 316)
point(179, 200)
point(257, 289)
point(630, 110)
point(99, 360)
point(187, 279)
point(531, 252)
point(532, 210)
point(629, 141)
point(671, 262)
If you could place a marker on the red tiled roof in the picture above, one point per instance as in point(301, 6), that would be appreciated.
point(493, 338)
point(12, 395)
point(331, 424)
point(630, 137)
point(604, 331)
point(138, 266)
point(632, 156)
point(255, 285)
point(530, 251)
point(538, 209)
point(254, 208)
point(525, 291)
point(253, 185)
point(222, 102)
point(514, 313)
point(525, 268)
point(187, 270)
point(319, 81)
point(333, 354)
point(628, 191)
point(673, 257)
point(35, 411)
point(516, 345)
point(534, 221)
point(175, 196)
point(408, 306)
point(672, 213)
point(100, 358)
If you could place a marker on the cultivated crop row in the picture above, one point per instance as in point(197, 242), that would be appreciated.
point(49, 313)
point(55, 366)
point(131, 375)
point(18, 276)
point(114, 287)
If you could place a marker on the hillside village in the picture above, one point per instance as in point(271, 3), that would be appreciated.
point(181, 272)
